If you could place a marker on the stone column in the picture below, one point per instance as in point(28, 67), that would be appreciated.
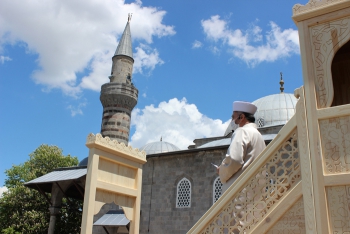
point(56, 201)
point(53, 213)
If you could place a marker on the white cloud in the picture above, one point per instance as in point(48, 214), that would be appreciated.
point(4, 59)
point(197, 44)
point(2, 190)
point(146, 59)
point(76, 110)
point(176, 121)
point(77, 36)
point(243, 45)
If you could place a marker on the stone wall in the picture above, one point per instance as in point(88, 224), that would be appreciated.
point(161, 175)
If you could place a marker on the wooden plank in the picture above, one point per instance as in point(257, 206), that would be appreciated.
point(114, 173)
point(333, 112)
point(121, 160)
point(319, 194)
point(116, 188)
point(135, 224)
point(276, 213)
point(305, 163)
point(337, 179)
point(90, 193)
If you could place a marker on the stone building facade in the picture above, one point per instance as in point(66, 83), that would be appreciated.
point(179, 186)
point(161, 211)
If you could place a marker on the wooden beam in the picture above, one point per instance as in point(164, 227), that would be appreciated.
point(114, 187)
point(337, 179)
point(333, 112)
point(79, 189)
point(309, 76)
point(44, 194)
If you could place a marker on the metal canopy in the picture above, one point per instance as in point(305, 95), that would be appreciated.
point(74, 174)
point(113, 218)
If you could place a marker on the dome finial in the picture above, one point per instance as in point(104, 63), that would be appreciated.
point(129, 17)
point(281, 83)
point(161, 138)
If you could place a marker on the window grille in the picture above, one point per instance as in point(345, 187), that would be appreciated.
point(217, 189)
point(183, 194)
point(261, 122)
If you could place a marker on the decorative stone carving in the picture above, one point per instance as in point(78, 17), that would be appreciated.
point(293, 220)
point(338, 198)
point(313, 5)
point(335, 137)
point(326, 40)
point(115, 145)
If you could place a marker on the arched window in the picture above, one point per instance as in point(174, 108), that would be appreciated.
point(217, 189)
point(341, 76)
point(183, 193)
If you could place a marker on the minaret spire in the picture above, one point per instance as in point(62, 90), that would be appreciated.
point(281, 83)
point(119, 96)
point(125, 45)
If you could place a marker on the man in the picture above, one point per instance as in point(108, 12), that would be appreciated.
point(246, 144)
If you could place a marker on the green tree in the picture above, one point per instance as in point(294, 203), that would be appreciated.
point(24, 210)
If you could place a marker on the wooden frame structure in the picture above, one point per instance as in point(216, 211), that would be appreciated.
point(301, 182)
point(114, 175)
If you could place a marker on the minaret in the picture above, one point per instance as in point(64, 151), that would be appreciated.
point(119, 96)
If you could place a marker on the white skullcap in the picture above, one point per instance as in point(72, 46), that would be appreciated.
point(244, 107)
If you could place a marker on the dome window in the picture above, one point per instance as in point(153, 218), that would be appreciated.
point(261, 122)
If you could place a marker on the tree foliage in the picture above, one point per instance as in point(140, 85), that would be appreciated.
point(24, 210)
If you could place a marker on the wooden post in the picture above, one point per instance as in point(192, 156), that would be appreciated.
point(114, 175)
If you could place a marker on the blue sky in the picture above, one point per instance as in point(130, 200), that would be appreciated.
point(192, 60)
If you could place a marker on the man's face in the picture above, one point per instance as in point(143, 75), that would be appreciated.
point(235, 116)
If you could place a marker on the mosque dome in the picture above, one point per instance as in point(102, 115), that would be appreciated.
point(159, 147)
point(83, 162)
point(275, 109)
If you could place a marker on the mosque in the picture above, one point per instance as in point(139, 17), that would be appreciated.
point(298, 184)
point(178, 186)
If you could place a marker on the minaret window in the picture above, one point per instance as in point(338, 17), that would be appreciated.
point(217, 189)
point(183, 193)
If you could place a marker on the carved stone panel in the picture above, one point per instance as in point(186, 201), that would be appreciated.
point(293, 221)
point(335, 138)
point(338, 207)
point(326, 39)
point(313, 5)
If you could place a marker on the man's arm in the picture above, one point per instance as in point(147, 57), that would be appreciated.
point(234, 159)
